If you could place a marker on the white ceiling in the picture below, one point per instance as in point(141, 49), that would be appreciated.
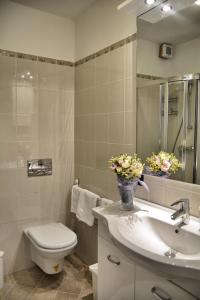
point(175, 28)
point(63, 8)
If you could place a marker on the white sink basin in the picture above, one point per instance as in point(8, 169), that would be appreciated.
point(158, 236)
point(150, 237)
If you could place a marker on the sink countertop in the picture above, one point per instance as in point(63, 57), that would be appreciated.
point(148, 232)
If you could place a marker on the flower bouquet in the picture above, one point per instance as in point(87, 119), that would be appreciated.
point(128, 170)
point(162, 164)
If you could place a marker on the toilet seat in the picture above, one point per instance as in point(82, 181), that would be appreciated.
point(52, 236)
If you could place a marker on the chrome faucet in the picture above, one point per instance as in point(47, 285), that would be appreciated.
point(183, 212)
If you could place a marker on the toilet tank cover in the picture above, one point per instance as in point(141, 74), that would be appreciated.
point(52, 236)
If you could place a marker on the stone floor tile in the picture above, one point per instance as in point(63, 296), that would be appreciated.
point(41, 294)
point(28, 278)
point(33, 284)
point(70, 285)
point(88, 297)
point(18, 293)
point(66, 296)
point(49, 282)
point(9, 283)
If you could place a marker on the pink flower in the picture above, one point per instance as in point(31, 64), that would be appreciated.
point(165, 166)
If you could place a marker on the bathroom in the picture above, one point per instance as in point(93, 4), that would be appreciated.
point(82, 81)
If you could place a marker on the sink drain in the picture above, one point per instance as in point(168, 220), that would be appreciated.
point(170, 253)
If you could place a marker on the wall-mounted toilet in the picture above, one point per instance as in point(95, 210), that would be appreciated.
point(49, 245)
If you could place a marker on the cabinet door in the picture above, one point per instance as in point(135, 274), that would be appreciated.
point(148, 286)
point(116, 273)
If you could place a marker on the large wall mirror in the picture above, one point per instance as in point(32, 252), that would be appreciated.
point(168, 84)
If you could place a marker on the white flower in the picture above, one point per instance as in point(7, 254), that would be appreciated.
point(126, 164)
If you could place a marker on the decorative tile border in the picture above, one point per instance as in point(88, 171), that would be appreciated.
point(36, 58)
point(150, 77)
point(107, 49)
point(68, 63)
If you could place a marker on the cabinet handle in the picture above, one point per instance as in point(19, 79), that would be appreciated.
point(155, 292)
point(112, 260)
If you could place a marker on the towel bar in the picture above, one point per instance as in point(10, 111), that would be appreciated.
point(99, 200)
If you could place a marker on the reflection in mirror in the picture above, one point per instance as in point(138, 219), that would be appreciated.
point(168, 85)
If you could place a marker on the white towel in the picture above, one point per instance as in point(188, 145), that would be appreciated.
point(82, 203)
point(75, 198)
point(105, 202)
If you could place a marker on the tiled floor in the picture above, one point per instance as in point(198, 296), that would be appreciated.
point(73, 283)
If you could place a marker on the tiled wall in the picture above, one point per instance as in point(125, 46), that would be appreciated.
point(105, 125)
point(36, 121)
point(167, 191)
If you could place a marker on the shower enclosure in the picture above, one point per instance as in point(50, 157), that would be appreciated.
point(169, 110)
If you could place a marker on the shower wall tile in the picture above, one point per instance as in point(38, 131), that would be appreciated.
point(36, 121)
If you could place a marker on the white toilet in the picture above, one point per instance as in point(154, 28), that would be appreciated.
point(49, 245)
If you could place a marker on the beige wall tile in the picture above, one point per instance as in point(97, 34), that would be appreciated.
point(27, 73)
point(27, 127)
point(101, 127)
point(102, 69)
point(116, 96)
point(47, 100)
point(117, 64)
point(39, 123)
point(7, 127)
point(102, 99)
point(88, 101)
point(8, 99)
point(7, 71)
point(65, 78)
point(27, 100)
point(102, 156)
point(47, 76)
point(130, 95)
point(8, 155)
point(130, 128)
point(116, 128)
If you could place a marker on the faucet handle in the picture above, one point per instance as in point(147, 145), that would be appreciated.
point(185, 204)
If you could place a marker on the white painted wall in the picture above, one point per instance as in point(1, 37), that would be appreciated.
point(148, 61)
point(186, 59)
point(27, 30)
point(100, 26)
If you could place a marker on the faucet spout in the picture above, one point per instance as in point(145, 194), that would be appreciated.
point(183, 212)
point(177, 214)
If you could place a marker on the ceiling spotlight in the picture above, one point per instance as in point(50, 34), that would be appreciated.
point(28, 73)
point(197, 2)
point(149, 2)
point(166, 8)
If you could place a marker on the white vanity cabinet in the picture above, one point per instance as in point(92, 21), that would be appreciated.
point(149, 286)
point(119, 278)
point(116, 272)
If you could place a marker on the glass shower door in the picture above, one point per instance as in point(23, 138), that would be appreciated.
point(178, 124)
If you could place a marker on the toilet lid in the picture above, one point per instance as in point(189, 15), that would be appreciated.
point(52, 236)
